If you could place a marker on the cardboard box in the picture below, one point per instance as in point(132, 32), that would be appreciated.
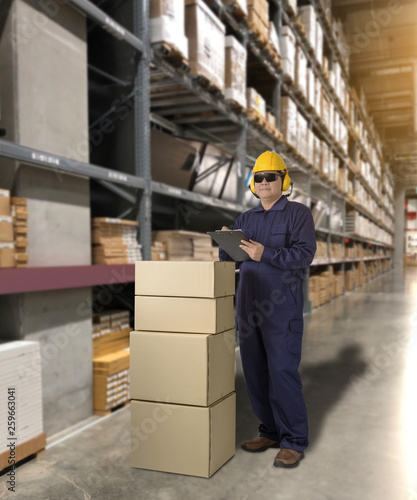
point(185, 279)
point(183, 439)
point(4, 202)
point(183, 315)
point(6, 229)
point(258, 15)
point(206, 44)
point(235, 77)
point(7, 255)
point(189, 369)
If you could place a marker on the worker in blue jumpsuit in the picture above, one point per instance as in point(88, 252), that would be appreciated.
point(281, 247)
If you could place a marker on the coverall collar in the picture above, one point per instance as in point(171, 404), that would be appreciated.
point(278, 205)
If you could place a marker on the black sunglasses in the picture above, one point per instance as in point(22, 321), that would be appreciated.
point(269, 177)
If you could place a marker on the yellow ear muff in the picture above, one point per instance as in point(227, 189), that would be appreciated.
point(252, 186)
point(286, 183)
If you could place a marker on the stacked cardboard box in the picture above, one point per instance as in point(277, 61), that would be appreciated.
point(337, 251)
point(19, 213)
point(302, 136)
point(111, 380)
point(182, 367)
point(206, 42)
point(20, 370)
point(255, 102)
point(235, 80)
point(350, 276)
point(110, 331)
point(273, 38)
point(167, 24)
point(115, 241)
point(287, 50)
point(321, 288)
point(338, 278)
point(289, 116)
point(321, 252)
point(7, 250)
point(311, 89)
point(258, 17)
point(184, 245)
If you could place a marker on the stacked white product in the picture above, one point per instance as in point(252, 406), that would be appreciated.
point(302, 128)
point(289, 121)
point(308, 17)
point(310, 146)
point(287, 48)
point(255, 102)
point(273, 37)
point(311, 90)
point(301, 71)
point(20, 370)
point(235, 71)
point(167, 24)
point(319, 43)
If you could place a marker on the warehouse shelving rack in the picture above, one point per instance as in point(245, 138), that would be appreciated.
point(179, 113)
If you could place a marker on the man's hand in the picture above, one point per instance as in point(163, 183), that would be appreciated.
point(253, 249)
point(224, 228)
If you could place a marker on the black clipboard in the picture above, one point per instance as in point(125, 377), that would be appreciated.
point(230, 240)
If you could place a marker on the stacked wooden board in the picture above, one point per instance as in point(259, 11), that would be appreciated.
point(185, 245)
point(115, 241)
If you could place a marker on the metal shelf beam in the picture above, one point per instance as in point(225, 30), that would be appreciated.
point(106, 22)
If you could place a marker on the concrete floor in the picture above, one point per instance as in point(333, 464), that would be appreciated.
point(359, 373)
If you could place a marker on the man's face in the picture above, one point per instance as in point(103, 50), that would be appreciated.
point(269, 190)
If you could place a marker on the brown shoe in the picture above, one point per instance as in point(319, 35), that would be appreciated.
point(288, 458)
point(259, 444)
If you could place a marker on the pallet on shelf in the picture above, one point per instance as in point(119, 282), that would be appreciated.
point(32, 448)
point(236, 9)
point(171, 54)
point(207, 84)
point(105, 413)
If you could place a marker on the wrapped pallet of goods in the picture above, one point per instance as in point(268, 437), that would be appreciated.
point(115, 241)
point(21, 384)
point(206, 43)
point(167, 25)
point(235, 77)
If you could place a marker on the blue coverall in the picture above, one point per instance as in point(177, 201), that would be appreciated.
point(270, 317)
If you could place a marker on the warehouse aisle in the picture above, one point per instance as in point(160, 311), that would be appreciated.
point(359, 372)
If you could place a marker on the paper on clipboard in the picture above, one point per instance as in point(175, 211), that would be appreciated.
point(230, 240)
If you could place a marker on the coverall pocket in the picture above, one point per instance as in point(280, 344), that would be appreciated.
point(279, 235)
point(295, 336)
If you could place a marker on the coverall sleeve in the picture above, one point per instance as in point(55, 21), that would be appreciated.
point(222, 254)
point(302, 244)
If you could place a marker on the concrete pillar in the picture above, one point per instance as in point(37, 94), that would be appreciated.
point(399, 226)
point(44, 105)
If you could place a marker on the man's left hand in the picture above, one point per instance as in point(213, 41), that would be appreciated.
point(253, 249)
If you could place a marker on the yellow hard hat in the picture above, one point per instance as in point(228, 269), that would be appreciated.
point(270, 161)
